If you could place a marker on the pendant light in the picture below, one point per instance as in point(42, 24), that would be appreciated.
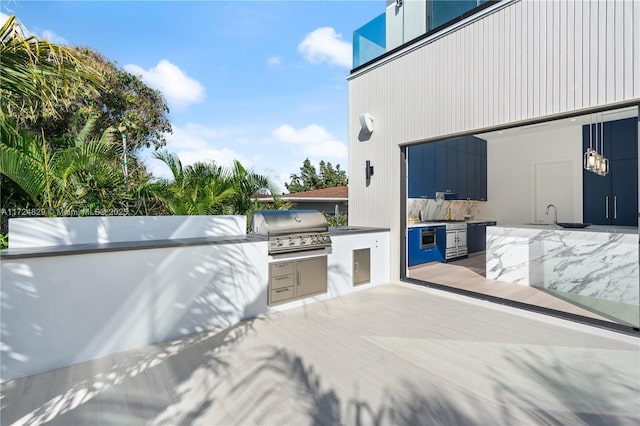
point(595, 161)
point(591, 155)
point(603, 166)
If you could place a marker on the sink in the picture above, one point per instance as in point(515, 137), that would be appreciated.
point(573, 225)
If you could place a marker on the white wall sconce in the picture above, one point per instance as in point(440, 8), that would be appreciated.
point(366, 122)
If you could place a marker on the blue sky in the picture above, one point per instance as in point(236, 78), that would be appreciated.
point(263, 82)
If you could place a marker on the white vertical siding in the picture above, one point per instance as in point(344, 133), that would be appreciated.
point(527, 60)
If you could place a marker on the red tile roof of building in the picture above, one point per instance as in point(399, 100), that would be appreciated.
point(337, 192)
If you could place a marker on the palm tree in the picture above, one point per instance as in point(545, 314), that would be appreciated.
point(247, 184)
point(85, 175)
point(198, 189)
point(208, 188)
point(36, 72)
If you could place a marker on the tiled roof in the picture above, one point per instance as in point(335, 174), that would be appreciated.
point(337, 192)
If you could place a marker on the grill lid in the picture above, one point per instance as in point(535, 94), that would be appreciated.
point(287, 222)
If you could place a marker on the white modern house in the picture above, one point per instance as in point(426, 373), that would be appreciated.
point(485, 110)
point(467, 120)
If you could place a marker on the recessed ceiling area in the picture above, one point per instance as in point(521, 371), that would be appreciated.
point(581, 120)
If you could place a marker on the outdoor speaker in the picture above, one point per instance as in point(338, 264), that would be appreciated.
point(366, 122)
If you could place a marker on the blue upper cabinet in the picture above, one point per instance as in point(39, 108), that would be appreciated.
point(414, 171)
point(623, 138)
point(421, 171)
point(457, 167)
point(612, 199)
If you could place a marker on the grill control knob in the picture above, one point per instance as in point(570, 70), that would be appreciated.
point(279, 243)
point(291, 242)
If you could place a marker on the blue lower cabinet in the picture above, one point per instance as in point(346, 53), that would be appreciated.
point(441, 235)
point(418, 255)
point(472, 237)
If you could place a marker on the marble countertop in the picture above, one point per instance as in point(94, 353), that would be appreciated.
point(593, 228)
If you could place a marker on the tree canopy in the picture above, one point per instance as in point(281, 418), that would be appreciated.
point(52, 89)
point(37, 77)
point(60, 150)
point(309, 178)
point(208, 188)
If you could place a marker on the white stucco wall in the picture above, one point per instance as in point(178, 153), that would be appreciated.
point(61, 310)
point(525, 173)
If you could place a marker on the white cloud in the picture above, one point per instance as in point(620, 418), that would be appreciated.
point(314, 140)
point(41, 34)
point(3, 18)
point(178, 88)
point(325, 45)
point(274, 62)
point(52, 37)
point(196, 142)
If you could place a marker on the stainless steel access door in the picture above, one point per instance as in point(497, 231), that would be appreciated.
point(311, 276)
point(361, 266)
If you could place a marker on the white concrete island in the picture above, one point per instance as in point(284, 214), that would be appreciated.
point(595, 266)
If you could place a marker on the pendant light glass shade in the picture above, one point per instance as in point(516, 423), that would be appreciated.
point(590, 157)
point(603, 166)
point(594, 161)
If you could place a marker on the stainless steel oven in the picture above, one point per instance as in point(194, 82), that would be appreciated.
point(427, 238)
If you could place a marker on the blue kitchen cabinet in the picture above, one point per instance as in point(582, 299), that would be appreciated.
point(472, 240)
point(456, 166)
point(421, 171)
point(464, 173)
point(415, 171)
point(441, 242)
point(482, 235)
point(623, 135)
point(472, 187)
point(624, 194)
point(476, 169)
point(613, 199)
point(413, 246)
point(441, 152)
point(596, 196)
point(418, 256)
point(477, 236)
point(482, 172)
point(452, 168)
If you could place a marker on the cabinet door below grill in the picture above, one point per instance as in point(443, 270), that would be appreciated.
point(311, 276)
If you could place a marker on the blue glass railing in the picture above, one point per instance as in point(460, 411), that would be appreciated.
point(370, 40)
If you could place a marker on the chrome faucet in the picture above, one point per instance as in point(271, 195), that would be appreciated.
point(555, 213)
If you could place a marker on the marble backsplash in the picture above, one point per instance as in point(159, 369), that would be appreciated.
point(428, 209)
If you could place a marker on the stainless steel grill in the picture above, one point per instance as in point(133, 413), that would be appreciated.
point(292, 230)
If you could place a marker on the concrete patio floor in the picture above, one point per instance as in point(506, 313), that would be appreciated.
point(393, 354)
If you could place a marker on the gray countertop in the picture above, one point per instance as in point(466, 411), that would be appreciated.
point(62, 250)
point(593, 228)
point(350, 230)
point(48, 251)
point(436, 223)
